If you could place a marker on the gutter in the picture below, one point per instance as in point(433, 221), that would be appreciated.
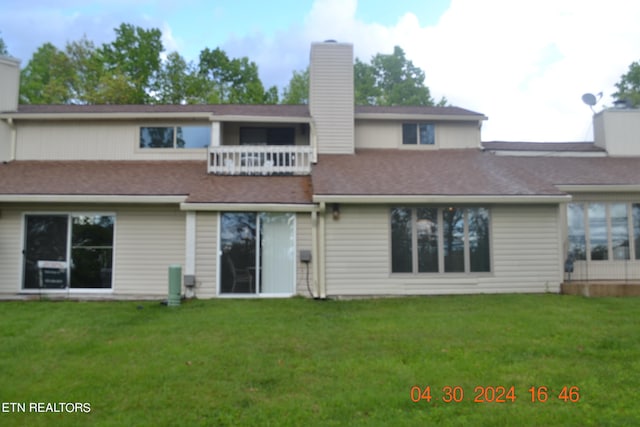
point(476, 199)
point(14, 138)
point(66, 198)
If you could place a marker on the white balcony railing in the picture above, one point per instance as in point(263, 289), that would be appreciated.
point(260, 160)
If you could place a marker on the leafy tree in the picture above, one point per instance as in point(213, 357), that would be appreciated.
point(3, 47)
point(177, 81)
point(134, 57)
point(88, 71)
point(47, 78)
point(629, 85)
point(297, 91)
point(387, 80)
point(231, 81)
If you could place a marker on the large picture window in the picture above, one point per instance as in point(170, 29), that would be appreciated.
point(192, 136)
point(68, 251)
point(611, 228)
point(440, 240)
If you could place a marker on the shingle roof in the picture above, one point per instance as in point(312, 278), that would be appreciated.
point(216, 109)
point(415, 110)
point(463, 172)
point(538, 146)
point(148, 178)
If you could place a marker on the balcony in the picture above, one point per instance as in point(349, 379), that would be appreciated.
point(260, 160)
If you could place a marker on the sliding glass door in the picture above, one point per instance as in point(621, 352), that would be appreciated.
point(257, 253)
point(68, 251)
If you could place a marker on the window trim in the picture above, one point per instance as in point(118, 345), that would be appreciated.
point(418, 145)
point(175, 136)
point(441, 256)
point(69, 215)
point(633, 255)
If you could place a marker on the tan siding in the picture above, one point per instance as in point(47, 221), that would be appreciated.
point(206, 254)
point(331, 97)
point(303, 242)
point(102, 140)
point(147, 241)
point(618, 131)
point(10, 249)
point(9, 83)
point(5, 141)
point(388, 134)
point(525, 253)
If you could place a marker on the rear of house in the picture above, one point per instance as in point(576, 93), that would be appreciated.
point(324, 200)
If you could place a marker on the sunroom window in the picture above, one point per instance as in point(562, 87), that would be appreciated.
point(440, 240)
point(191, 136)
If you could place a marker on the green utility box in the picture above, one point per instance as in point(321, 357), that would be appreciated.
point(175, 285)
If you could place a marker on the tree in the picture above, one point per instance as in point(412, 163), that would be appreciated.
point(387, 80)
point(629, 86)
point(47, 78)
point(3, 47)
point(177, 81)
point(297, 91)
point(133, 57)
point(231, 81)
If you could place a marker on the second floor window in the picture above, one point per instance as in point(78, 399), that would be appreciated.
point(418, 133)
point(175, 136)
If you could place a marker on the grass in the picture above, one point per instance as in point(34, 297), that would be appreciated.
point(299, 362)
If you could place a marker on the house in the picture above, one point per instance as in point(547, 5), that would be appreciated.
point(320, 200)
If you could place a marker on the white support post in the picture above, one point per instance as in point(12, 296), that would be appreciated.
point(190, 243)
point(216, 137)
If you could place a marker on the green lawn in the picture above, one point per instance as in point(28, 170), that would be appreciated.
point(299, 362)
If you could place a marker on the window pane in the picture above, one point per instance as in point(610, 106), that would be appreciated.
point(277, 250)
point(91, 251)
point(577, 239)
point(427, 134)
point(238, 256)
point(598, 231)
point(156, 137)
point(193, 136)
point(479, 239)
point(409, 134)
point(453, 228)
point(45, 240)
point(620, 231)
point(401, 249)
point(636, 228)
point(427, 230)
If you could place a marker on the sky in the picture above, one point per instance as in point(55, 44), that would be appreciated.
point(524, 64)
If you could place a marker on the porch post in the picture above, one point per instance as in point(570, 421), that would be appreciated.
point(216, 137)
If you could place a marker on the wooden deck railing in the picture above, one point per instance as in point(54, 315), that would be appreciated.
point(260, 160)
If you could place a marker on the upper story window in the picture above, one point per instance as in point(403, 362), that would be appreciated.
point(418, 133)
point(192, 136)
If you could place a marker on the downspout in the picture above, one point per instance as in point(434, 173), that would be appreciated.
point(322, 288)
point(314, 263)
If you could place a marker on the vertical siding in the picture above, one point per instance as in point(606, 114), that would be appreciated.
point(303, 242)
point(147, 241)
point(206, 254)
point(10, 249)
point(9, 83)
point(331, 97)
point(5, 141)
point(525, 255)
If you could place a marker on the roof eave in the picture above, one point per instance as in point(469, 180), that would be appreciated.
point(426, 117)
point(439, 198)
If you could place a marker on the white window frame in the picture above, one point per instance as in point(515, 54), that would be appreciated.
point(175, 137)
point(418, 144)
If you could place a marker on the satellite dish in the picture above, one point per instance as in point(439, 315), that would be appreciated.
point(589, 99)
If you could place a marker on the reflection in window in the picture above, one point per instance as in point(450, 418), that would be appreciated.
point(598, 239)
point(453, 236)
point(479, 239)
point(175, 136)
point(427, 229)
point(423, 134)
point(575, 223)
point(91, 251)
point(619, 231)
point(401, 241)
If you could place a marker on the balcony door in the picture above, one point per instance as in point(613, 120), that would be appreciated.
point(257, 253)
